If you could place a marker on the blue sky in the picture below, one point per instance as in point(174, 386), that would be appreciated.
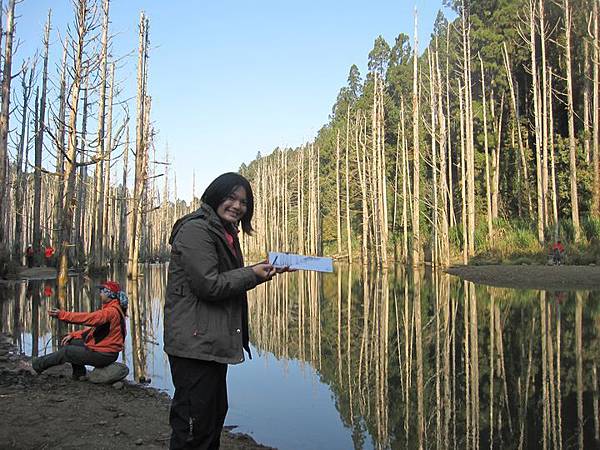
point(231, 78)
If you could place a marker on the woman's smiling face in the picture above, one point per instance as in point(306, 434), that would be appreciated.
point(233, 208)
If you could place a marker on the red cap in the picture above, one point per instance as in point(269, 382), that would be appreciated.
point(112, 286)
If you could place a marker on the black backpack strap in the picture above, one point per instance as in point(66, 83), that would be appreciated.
point(122, 322)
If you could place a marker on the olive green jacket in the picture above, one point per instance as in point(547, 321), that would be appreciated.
point(206, 308)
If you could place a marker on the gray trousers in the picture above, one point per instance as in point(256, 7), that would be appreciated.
point(78, 355)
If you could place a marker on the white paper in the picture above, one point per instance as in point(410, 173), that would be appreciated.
point(301, 262)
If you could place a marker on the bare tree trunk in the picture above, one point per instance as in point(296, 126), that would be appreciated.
point(469, 145)
point(383, 212)
point(20, 177)
point(300, 181)
point(141, 147)
point(374, 175)
point(108, 147)
point(361, 164)
point(449, 140)
point(337, 197)
point(596, 116)
point(586, 101)
point(571, 123)
point(552, 163)
point(80, 230)
point(488, 196)
point(544, 105)
point(444, 141)
point(39, 144)
point(463, 190)
point(435, 244)
point(416, 243)
point(537, 120)
point(5, 110)
point(496, 159)
point(405, 183)
point(98, 251)
point(396, 176)
point(124, 194)
point(517, 122)
point(82, 25)
point(60, 147)
point(348, 218)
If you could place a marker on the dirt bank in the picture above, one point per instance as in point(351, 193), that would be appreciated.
point(552, 278)
point(52, 411)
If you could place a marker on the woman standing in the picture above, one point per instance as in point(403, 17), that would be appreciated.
point(206, 309)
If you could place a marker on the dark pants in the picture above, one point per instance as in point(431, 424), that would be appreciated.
point(199, 406)
point(557, 256)
point(78, 355)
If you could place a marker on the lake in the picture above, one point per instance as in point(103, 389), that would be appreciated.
point(366, 359)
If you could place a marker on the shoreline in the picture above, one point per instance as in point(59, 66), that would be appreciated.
point(52, 411)
point(538, 277)
point(523, 276)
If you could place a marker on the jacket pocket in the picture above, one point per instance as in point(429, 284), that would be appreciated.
point(212, 319)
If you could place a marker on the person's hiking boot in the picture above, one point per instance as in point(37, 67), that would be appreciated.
point(35, 365)
point(79, 373)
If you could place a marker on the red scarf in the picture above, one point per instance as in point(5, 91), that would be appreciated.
point(230, 241)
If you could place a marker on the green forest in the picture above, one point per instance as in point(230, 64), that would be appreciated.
point(481, 147)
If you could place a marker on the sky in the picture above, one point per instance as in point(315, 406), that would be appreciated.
point(231, 78)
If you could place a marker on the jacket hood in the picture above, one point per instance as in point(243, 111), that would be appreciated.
point(111, 303)
point(205, 212)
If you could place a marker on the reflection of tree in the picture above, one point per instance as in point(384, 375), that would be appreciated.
point(33, 291)
point(136, 329)
point(3, 302)
point(457, 364)
point(146, 297)
point(20, 300)
point(28, 314)
point(579, 365)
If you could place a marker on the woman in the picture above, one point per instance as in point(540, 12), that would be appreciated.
point(206, 309)
point(97, 346)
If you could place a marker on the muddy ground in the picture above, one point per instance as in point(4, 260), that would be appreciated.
point(51, 411)
point(549, 278)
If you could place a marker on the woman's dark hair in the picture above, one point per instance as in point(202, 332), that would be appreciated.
point(223, 186)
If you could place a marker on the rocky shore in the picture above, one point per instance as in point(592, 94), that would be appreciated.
point(53, 411)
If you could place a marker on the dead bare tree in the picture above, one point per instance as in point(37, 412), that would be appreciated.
point(416, 241)
point(19, 187)
point(141, 148)
point(5, 109)
point(39, 144)
point(84, 24)
point(571, 122)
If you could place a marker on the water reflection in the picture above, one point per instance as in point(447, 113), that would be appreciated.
point(24, 306)
point(412, 358)
point(424, 360)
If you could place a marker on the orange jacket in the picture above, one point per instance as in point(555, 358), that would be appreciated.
point(108, 332)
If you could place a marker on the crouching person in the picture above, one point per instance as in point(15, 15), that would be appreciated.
point(100, 344)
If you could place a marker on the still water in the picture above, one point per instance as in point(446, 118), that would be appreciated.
point(393, 359)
